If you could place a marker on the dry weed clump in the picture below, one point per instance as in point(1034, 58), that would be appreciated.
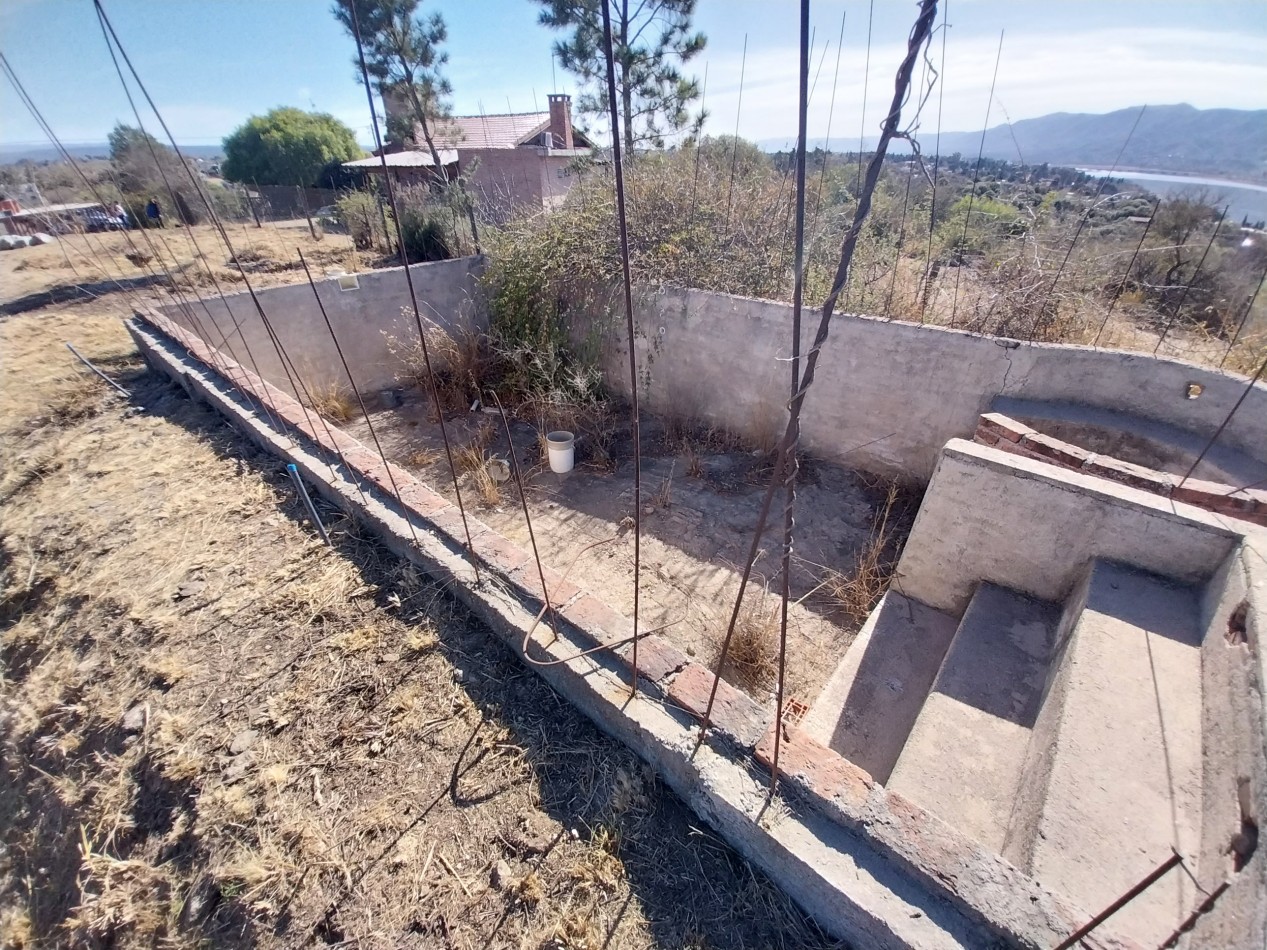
point(752, 662)
point(856, 592)
point(335, 401)
point(461, 361)
point(472, 458)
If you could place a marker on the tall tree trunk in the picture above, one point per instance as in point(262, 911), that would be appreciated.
point(421, 115)
point(303, 202)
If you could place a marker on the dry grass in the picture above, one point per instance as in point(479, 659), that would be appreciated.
point(471, 459)
point(334, 401)
point(856, 592)
point(151, 560)
point(752, 662)
point(460, 361)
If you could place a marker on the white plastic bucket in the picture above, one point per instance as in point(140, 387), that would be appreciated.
point(562, 446)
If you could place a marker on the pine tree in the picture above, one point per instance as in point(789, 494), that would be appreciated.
point(650, 38)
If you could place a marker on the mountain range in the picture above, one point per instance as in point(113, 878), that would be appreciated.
point(1178, 138)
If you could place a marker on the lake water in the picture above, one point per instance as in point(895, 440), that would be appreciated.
point(1242, 198)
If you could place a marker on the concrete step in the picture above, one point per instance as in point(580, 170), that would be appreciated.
point(871, 701)
point(964, 758)
point(1113, 772)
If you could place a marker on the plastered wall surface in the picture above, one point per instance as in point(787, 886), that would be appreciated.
point(1025, 525)
point(365, 320)
point(887, 397)
point(889, 394)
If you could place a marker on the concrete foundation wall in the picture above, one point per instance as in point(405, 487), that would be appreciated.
point(1031, 527)
point(889, 394)
point(365, 320)
point(1234, 737)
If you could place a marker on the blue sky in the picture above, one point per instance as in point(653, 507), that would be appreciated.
point(211, 63)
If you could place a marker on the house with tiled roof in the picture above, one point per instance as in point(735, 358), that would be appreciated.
point(513, 161)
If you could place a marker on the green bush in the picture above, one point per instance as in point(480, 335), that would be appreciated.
point(361, 214)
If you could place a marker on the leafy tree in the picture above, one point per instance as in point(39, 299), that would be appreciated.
point(404, 60)
point(287, 147)
point(649, 39)
point(145, 167)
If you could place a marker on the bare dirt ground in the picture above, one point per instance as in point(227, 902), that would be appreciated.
point(216, 732)
point(701, 494)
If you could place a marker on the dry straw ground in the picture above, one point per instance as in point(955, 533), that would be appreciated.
point(214, 731)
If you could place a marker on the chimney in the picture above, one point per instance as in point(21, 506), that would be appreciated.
point(560, 121)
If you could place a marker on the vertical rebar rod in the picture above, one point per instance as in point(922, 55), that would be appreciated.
point(1134, 892)
point(356, 390)
point(932, 200)
point(139, 303)
point(629, 324)
point(1086, 216)
point(1126, 274)
point(790, 466)
point(523, 501)
point(976, 177)
point(901, 237)
point(1188, 286)
point(918, 38)
point(831, 111)
point(1249, 388)
point(699, 141)
point(866, 80)
point(409, 280)
point(1244, 319)
point(108, 33)
point(734, 152)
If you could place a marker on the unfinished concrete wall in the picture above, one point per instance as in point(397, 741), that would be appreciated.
point(889, 394)
point(1031, 527)
point(365, 320)
point(1234, 734)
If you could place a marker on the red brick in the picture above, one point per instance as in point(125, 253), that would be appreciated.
point(824, 772)
point(1049, 449)
point(735, 715)
point(422, 499)
point(1002, 427)
point(1126, 473)
point(449, 521)
point(500, 553)
point(561, 590)
point(657, 658)
point(600, 619)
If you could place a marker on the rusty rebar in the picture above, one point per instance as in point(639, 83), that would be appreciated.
point(622, 223)
point(409, 280)
point(919, 36)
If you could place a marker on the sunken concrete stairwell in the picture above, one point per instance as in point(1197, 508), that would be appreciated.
point(1112, 778)
point(965, 756)
point(1047, 704)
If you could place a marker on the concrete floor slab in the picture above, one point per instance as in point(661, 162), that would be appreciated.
point(869, 704)
point(964, 757)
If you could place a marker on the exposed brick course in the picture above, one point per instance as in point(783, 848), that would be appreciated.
point(1008, 435)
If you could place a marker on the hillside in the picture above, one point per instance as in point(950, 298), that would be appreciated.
point(1178, 138)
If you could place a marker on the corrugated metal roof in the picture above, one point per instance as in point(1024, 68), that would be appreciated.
point(410, 159)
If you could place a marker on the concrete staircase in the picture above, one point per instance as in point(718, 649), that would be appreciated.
point(1067, 739)
point(965, 756)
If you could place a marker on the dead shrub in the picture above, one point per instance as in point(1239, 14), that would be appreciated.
point(472, 459)
point(461, 361)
